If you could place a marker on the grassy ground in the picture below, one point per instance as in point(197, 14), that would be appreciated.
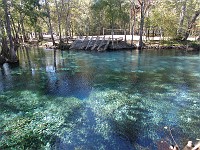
point(189, 45)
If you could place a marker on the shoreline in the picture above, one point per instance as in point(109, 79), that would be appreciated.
point(182, 47)
point(192, 44)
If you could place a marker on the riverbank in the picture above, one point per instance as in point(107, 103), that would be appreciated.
point(121, 42)
point(173, 44)
point(158, 45)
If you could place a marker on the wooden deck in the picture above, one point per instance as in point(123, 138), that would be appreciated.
point(100, 43)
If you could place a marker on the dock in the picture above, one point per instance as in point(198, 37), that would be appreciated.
point(100, 43)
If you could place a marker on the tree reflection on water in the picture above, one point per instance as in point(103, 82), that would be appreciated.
point(114, 100)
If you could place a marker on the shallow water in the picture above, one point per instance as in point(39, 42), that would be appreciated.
point(90, 100)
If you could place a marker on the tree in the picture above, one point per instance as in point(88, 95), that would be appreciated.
point(144, 6)
point(27, 13)
point(190, 24)
point(59, 20)
point(133, 12)
point(4, 48)
point(49, 21)
point(163, 19)
point(182, 17)
point(111, 14)
point(12, 57)
point(141, 23)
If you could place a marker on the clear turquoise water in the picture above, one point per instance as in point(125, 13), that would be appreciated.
point(88, 100)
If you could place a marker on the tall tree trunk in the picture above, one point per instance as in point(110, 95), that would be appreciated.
point(22, 28)
point(19, 31)
point(4, 45)
point(112, 30)
point(12, 55)
point(12, 26)
point(141, 25)
point(190, 25)
point(49, 20)
point(15, 34)
point(35, 32)
point(182, 17)
point(40, 35)
point(59, 22)
point(112, 25)
point(67, 12)
point(15, 30)
point(133, 20)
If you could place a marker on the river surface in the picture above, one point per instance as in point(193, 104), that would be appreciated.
point(75, 100)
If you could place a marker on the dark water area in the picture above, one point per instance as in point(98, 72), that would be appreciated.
point(88, 100)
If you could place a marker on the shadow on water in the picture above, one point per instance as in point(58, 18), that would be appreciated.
point(67, 85)
point(85, 135)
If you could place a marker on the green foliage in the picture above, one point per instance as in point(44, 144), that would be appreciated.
point(113, 12)
point(165, 15)
point(164, 19)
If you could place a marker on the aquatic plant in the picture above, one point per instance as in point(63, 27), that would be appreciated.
point(31, 120)
point(37, 120)
point(190, 120)
point(125, 113)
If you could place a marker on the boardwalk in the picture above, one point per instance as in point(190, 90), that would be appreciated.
point(128, 37)
point(100, 43)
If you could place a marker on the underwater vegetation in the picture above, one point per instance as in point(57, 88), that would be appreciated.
point(124, 112)
point(109, 118)
point(30, 121)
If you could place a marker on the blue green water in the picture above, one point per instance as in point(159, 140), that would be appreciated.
point(72, 100)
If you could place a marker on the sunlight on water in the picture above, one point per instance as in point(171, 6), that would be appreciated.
point(113, 100)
